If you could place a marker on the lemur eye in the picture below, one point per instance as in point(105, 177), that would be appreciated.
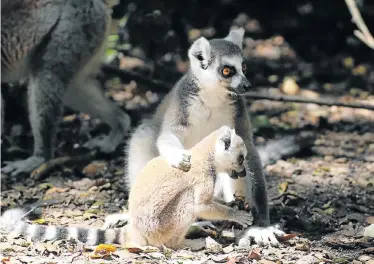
point(241, 159)
point(244, 67)
point(228, 71)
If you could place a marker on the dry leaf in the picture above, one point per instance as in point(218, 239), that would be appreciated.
point(55, 190)
point(5, 259)
point(282, 187)
point(286, 237)
point(231, 261)
point(302, 247)
point(104, 249)
point(254, 254)
point(289, 86)
point(39, 221)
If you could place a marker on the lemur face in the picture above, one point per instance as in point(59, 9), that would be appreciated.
point(231, 153)
point(218, 63)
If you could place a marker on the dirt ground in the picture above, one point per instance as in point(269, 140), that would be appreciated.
point(324, 193)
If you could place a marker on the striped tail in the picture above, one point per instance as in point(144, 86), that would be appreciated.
point(12, 221)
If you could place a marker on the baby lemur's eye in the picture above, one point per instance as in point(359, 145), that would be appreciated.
point(241, 159)
point(228, 71)
point(244, 67)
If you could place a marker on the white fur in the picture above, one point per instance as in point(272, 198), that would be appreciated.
point(261, 235)
point(50, 233)
point(73, 233)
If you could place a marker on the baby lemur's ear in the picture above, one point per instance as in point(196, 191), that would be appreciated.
point(226, 136)
point(200, 51)
point(236, 36)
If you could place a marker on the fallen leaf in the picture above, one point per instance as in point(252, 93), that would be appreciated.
point(94, 169)
point(302, 246)
point(289, 86)
point(5, 259)
point(104, 249)
point(287, 237)
point(231, 261)
point(282, 187)
point(55, 190)
point(254, 254)
point(39, 221)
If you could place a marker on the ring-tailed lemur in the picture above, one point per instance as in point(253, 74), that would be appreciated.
point(57, 45)
point(164, 201)
point(205, 98)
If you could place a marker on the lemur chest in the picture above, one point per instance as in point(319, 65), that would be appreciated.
point(203, 120)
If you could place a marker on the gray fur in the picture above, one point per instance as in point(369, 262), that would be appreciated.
point(57, 46)
point(199, 103)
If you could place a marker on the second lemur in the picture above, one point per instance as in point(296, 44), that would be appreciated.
point(164, 201)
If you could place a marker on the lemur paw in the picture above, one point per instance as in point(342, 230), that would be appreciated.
point(116, 221)
point(23, 166)
point(180, 159)
point(261, 235)
point(242, 217)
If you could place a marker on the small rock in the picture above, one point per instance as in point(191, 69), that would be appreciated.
point(212, 245)
point(308, 259)
point(364, 258)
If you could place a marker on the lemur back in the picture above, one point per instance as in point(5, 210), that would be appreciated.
point(164, 201)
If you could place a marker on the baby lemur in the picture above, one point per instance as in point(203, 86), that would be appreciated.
point(207, 97)
point(56, 45)
point(164, 201)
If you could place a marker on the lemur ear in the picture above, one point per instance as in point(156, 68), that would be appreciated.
point(226, 137)
point(236, 36)
point(200, 50)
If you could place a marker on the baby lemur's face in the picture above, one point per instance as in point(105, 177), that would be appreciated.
point(218, 63)
point(230, 153)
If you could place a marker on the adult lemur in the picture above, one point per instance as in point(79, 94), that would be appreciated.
point(57, 46)
point(206, 97)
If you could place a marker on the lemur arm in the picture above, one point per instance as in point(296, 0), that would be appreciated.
point(216, 211)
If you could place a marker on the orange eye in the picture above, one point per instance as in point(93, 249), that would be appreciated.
point(244, 68)
point(226, 71)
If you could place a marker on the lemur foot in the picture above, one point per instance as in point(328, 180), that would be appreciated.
point(180, 159)
point(116, 221)
point(23, 166)
point(242, 217)
point(109, 143)
point(261, 235)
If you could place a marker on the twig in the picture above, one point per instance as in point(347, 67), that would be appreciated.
point(46, 167)
point(164, 87)
point(297, 99)
point(288, 194)
point(363, 33)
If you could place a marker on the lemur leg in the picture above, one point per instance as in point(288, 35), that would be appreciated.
point(87, 97)
point(45, 110)
point(263, 233)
